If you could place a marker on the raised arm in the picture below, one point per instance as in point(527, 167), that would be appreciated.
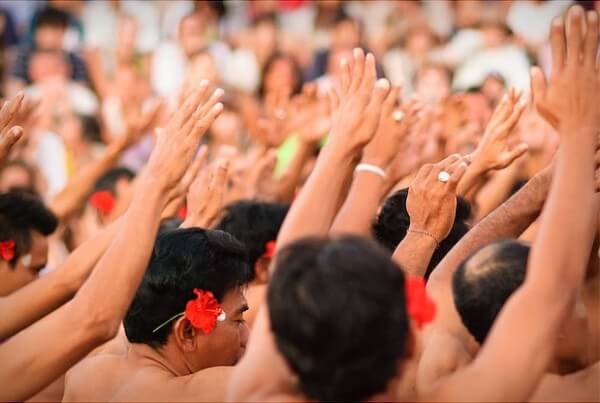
point(34, 301)
point(36, 356)
point(9, 133)
point(559, 255)
point(356, 111)
point(431, 205)
point(368, 185)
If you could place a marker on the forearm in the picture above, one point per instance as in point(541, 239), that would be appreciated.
point(507, 221)
point(315, 207)
point(80, 185)
point(360, 207)
point(414, 253)
point(118, 266)
point(494, 192)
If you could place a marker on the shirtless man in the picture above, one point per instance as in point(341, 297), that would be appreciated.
point(40, 353)
point(482, 285)
point(447, 344)
point(169, 358)
point(354, 345)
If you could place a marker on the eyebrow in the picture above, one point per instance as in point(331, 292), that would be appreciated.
point(242, 309)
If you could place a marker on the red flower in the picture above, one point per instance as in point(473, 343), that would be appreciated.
point(103, 200)
point(7, 250)
point(203, 311)
point(270, 249)
point(182, 213)
point(419, 306)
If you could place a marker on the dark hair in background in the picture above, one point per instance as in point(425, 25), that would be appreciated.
point(51, 17)
point(390, 226)
point(253, 223)
point(109, 180)
point(20, 213)
point(298, 74)
point(481, 286)
point(90, 128)
point(182, 260)
point(338, 316)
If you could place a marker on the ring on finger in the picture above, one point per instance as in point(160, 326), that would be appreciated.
point(443, 176)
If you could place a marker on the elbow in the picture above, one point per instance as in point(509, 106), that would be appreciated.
point(97, 323)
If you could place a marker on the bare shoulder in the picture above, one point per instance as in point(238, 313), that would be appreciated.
point(581, 386)
point(152, 383)
point(443, 354)
point(96, 378)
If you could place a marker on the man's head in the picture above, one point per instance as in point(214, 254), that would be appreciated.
point(432, 83)
point(25, 223)
point(346, 32)
point(47, 65)
point(192, 34)
point(112, 193)
point(17, 174)
point(392, 222)
point(255, 224)
point(484, 282)
point(50, 27)
point(184, 260)
point(338, 315)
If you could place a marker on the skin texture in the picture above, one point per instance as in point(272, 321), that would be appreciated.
point(42, 352)
point(190, 367)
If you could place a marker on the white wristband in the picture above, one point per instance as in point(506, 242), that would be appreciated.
point(371, 168)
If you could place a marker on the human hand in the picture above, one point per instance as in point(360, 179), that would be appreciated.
point(205, 196)
point(394, 124)
point(9, 132)
point(137, 123)
point(431, 203)
point(494, 150)
point(310, 115)
point(569, 100)
point(177, 142)
point(356, 107)
point(272, 126)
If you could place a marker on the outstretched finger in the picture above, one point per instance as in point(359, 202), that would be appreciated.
point(190, 104)
point(557, 42)
point(510, 156)
point(574, 35)
point(205, 121)
point(456, 174)
point(538, 85)
point(591, 40)
point(380, 92)
point(358, 68)
point(369, 75)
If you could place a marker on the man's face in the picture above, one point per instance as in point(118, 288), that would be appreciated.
point(226, 344)
point(15, 176)
point(27, 268)
point(191, 34)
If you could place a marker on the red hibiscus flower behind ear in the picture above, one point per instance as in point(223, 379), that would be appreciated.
point(7, 250)
point(203, 311)
point(103, 200)
point(270, 249)
point(418, 304)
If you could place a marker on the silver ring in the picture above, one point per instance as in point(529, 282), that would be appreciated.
point(443, 176)
point(398, 115)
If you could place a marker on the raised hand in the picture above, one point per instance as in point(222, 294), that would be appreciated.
point(9, 132)
point(137, 123)
point(394, 125)
point(431, 202)
point(177, 143)
point(206, 195)
point(570, 98)
point(493, 150)
point(356, 107)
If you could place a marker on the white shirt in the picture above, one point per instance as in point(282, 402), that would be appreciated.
point(532, 20)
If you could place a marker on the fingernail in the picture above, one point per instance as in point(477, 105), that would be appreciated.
point(218, 106)
point(203, 83)
point(356, 52)
point(219, 92)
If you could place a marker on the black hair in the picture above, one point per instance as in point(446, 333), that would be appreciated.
point(266, 18)
point(109, 180)
point(393, 220)
point(485, 281)
point(338, 316)
point(90, 128)
point(20, 213)
point(182, 260)
point(253, 223)
point(52, 17)
point(297, 87)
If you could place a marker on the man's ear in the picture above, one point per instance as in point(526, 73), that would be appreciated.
point(261, 269)
point(185, 335)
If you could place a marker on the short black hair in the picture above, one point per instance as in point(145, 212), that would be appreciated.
point(20, 213)
point(393, 220)
point(338, 316)
point(52, 17)
point(109, 180)
point(182, 260)
point(90, 128)
point(485, 281)
point(253, 223)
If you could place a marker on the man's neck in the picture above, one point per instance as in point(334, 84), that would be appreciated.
point(165, 357)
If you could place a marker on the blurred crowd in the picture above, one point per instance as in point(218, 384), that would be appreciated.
point(94, 88)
